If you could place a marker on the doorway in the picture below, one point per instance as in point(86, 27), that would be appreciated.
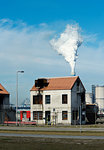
point(47, 117)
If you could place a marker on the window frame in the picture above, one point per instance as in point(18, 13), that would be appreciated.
point(37, 115)
point(47, 101)
point(39, 99)
point(63, 115)
point(64, 100)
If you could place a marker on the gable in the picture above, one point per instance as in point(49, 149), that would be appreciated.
point(3, 90)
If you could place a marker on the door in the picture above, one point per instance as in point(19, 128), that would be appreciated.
point(47, 117)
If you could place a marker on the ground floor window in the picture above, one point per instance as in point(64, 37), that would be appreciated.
point(64, 115)
point(37, 115)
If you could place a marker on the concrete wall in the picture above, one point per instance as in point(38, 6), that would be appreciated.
point(55, 104)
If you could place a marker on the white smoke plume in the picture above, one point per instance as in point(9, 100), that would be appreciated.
point(67, 44)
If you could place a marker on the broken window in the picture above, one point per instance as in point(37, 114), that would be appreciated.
point(47, 99)
point(64, 99)
point(37, 115)
point(37, 99)
point(64, 115)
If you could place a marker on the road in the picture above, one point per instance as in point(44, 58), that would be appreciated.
point(50, 128)
point(2, 128)
point(50, 136)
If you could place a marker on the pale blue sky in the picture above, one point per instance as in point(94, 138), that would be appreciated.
point(27, 26)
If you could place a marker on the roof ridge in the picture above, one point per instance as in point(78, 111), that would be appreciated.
point(59, 77)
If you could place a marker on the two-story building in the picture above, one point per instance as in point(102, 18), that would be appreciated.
point(6, 111)
point(4, 103)
point(59, 100)
point(4, 98)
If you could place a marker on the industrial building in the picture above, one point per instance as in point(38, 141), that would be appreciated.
point(58, 100)
point(4, 98)
point(95, 104)
point(96, 97)
point(98, 92)
point(88, 97)
point(24, 113)
point(91, 107)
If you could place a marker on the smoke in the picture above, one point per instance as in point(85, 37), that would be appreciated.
point(67, 44)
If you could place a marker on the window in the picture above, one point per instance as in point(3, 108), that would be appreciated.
point(64, 115)
point(37, 99)
point(47, 99)
point(37, 115)
point(64, 99)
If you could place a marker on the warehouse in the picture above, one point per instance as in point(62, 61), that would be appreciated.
point(7, 113)
point(58, 100)
point(4, 103)
point(4, 98)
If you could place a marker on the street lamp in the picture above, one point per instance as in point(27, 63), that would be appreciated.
point(17, 94)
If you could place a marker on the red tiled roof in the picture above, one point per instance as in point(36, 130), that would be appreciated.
point(3, 90)
point(61, 83)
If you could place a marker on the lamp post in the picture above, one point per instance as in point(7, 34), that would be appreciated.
point(17, 95)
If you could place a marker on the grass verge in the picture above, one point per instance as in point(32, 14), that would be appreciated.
point(11, 143)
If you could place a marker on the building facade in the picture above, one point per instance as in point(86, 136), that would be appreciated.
point(60, 101)
point(4, 103)
point(6, 111)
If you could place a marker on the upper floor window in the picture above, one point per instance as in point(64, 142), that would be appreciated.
point(47, 99)
point(64, 99)
point(37, 99)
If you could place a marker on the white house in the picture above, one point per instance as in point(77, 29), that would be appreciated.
point(58, 100)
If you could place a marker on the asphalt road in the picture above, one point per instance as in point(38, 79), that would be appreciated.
point(50, 136)
point(50, 128)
